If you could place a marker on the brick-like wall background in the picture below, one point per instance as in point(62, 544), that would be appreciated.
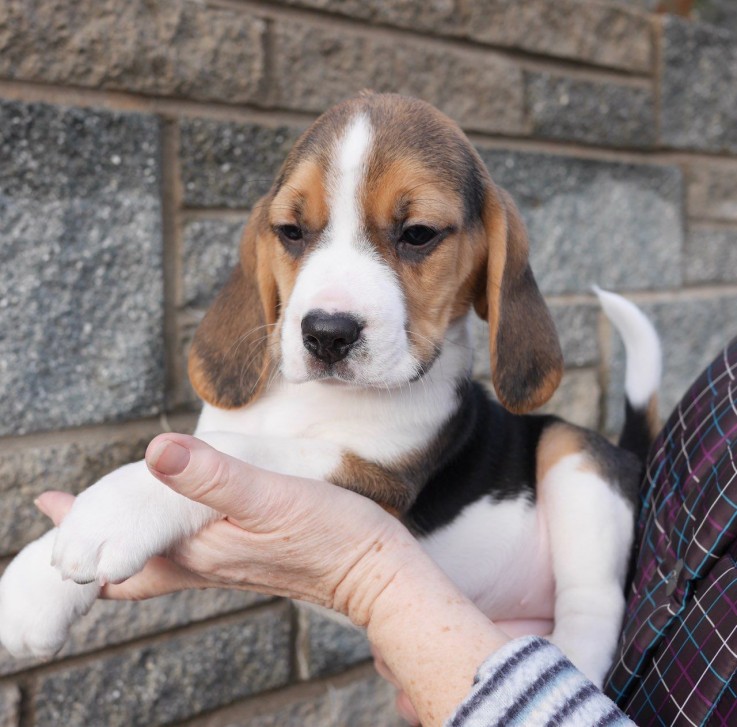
point(135, 136)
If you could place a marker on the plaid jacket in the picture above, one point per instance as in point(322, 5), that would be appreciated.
point(677, 663)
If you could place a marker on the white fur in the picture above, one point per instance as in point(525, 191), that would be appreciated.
point(591, 530)
point(344, 274)
point(642, 346)
point(497, 554)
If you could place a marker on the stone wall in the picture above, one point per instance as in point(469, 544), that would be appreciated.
point(134, 138)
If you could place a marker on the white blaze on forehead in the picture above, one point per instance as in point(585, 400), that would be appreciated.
point(346, 176)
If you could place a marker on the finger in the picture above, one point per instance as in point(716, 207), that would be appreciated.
point(406, 710)
point(227, 485)
point(159, 577)
point(55, 505)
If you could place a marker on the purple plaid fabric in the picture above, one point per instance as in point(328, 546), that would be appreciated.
point(677, 662)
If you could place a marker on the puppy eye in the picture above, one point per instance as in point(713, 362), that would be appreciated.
point(418, 235)
point(290, 232)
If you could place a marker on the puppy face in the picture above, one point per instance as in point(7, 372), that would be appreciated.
point(381, 229)
point(378, 237)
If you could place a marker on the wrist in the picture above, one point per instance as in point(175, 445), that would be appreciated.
point(380, 563)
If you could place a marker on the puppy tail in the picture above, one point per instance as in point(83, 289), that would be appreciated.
point(642, 373)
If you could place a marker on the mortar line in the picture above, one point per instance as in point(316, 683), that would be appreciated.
point(35, 671)
point(266, 702)
point(173, 108)
point(455, 41)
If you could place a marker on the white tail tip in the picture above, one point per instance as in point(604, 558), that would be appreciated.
point(641, 343)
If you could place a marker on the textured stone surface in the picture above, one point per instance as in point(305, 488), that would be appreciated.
point(577, 326)
point(570, 109)
point(72, 465)
point(9, 705)
point(315, 67)
point(718, 12)
point(80, 267)
point(712, 191)
point(711, 255)
point(692, 331)
point(617, 225)
point(593, 32)
point(227, 164)
point(436, 16)
point(170, 680)
point(366, 701)
point(698, 86)
point(116, 622)
point(326, 647)
point(168, 47)
point(210, 253)
point(577, 398)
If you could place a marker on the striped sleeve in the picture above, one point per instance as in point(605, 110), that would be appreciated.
point(530, 682)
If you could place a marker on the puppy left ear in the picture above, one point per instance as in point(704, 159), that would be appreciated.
point(526, 360)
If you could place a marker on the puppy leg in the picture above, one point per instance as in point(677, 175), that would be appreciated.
point(37, 607)
point(591, 528)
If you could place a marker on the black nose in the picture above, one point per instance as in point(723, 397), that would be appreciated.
point(329, 336)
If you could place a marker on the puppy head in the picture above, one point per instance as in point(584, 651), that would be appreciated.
point(381, 228)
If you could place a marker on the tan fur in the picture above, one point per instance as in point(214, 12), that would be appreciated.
point(387, 487)
point(557, 442)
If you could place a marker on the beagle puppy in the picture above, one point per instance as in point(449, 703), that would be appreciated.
point(340, 349)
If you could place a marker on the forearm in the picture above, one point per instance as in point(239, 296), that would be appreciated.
point(431, 636)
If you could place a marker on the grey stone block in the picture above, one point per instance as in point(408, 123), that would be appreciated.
point(169, 48)
point(698, 86)
point(598, 33)
point(72, 465)
point(436, 16)
point(722, 13)
point(570, 109)
point(578, 330)
point(81, 295)
point(227, 164)
point(693, 331)
point(711, 255)
point(315, 67)
point(110, 623)
point(9, 705)
point(170, 680)
point(210, 254)
point(326, 647)
point(712, 191)
point(616, 225)
point(364, 701)
point(577, 398)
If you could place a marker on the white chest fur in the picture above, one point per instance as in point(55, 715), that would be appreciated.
point(498, 554)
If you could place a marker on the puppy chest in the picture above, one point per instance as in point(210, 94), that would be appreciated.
point(498, 554)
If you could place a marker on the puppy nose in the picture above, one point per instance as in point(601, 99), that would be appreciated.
point(329, 336)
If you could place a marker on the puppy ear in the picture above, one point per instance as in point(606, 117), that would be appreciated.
point(526, 360)
point(229, 360)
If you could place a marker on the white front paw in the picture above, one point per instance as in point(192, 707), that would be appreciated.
point(116, 525)
point(105, 538)
point(37, 607)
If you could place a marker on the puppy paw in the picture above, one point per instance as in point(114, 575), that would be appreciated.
point(37, 607)
point(100, 544)
point(587, 654)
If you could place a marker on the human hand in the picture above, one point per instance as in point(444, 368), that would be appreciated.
point(282, 535)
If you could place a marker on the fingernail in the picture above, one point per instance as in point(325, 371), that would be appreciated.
point(41, 508)
point(169, 458)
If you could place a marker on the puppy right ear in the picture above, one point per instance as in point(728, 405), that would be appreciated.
point(229, 360)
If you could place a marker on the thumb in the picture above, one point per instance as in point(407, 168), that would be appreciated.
point(203, 474)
